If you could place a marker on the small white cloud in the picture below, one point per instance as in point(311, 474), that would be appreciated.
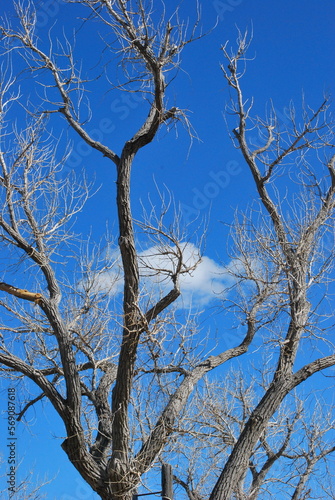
point(206, 282)
point(198, 287)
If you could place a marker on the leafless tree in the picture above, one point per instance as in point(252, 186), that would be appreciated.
point(286, 456)
point(284, 252)
point(93, 358)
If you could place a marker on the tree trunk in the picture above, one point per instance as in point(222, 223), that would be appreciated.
point(237, 464)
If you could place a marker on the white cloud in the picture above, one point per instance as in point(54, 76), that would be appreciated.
point(206, 283)
point(198, 287)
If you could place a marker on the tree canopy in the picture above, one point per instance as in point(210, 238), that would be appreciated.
point(145, 349)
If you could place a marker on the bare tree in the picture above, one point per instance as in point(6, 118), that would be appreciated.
point(286, 253)
point(286, 456)
point(91, 357)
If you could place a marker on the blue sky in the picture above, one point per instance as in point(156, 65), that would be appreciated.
point(293, 53)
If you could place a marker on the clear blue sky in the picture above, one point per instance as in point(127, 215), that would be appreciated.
point(293, 49)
